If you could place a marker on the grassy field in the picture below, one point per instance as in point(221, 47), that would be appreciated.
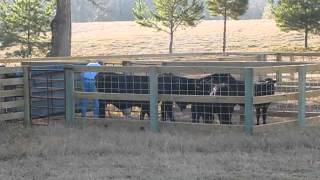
point(104, 38)
point(56, 152)
point(99, 153)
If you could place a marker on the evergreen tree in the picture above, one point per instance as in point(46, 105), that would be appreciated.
point(168, 15)
point(298, 15)
point(25, 23)
point(228, 9)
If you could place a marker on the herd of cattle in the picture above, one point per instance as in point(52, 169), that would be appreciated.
point(170, 84)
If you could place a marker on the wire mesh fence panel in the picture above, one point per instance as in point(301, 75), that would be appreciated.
point(193, 87)
point(290, 84)
point(119, 87)
point(191, 96)
point(313, 85)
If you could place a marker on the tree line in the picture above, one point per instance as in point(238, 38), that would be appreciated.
point(26, 23)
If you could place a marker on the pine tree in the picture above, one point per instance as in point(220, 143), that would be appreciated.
point(228, 9)
point(168, 15)
point(25, 23)
point(298, 15)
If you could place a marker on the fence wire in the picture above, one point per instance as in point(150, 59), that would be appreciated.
point(191, 85)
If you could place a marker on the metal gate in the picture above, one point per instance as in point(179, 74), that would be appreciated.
point(47, 94)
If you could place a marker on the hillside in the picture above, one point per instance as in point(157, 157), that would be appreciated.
point(103, 38)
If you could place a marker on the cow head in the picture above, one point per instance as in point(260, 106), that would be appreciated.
point(270, 80)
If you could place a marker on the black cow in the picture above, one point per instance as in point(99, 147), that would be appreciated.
point(237, 88)
point(215, 85)
point(227, 85)
point(135, 84)
point(120, 83)
point(263, 88)
point(204, 86)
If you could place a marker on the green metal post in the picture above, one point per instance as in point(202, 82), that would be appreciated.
point(248, 78)
point(26, 88)
point(262, 57)
point(302, 95)
point(153, 87)
point(69, 88)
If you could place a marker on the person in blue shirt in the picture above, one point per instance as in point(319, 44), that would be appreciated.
point(88, 82)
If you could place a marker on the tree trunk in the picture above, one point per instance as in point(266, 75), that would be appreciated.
point(61, 30)
point(28, 34)
point(306, 38)
point(225, 31)
point(171, 42)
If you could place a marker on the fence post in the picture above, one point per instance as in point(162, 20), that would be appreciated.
point(1, 88)
point(248, 78)
point(262, 57)
point(278, 73)
point(26, 89)
point(153, 95)
point(69, 88)
point(302, 95)
point(292, 74)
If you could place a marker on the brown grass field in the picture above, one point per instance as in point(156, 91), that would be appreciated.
point(114, 38)
point(98, 153)
point(104, 38)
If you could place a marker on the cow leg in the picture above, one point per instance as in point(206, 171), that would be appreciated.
point(258, 114)
point(194, 113)
point(221, 118)
point(208, 119)
point(142, 114)
point(163, 112)
point(225, 116)
point(169, 108)
point(102, 108)
point(264, 113)
point(229, 117)
point(144, 111)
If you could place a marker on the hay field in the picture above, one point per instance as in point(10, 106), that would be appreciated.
point(99, 153)
point(104, 38)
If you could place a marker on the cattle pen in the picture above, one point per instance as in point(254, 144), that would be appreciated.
point(205, 91)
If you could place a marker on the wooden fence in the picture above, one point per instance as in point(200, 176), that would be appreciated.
point(171, 64)
point(14, 94)
point(238, 56)
point(247, 70)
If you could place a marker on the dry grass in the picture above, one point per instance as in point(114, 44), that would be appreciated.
point(56, 152)
point(104, 38)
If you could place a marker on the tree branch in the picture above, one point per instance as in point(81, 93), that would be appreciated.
point(97, 5)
